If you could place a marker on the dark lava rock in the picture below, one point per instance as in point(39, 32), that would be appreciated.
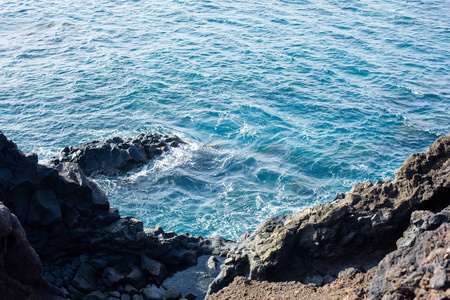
point(136, 278)
point(190, 296)
point(152, 293)
point(173, 294)
point(358, 230)
point(85, 279)
point(20, 271)
point(154, 268)
point(96, 295)
point(77, 235)
point(130, 290)
point(117, 155)
point(112, 276)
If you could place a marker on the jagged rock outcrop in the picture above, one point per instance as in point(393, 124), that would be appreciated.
point(357, 231)
point(420, 267)
point(117, 155)
point(20, 267)
point(85, 246)
point(51, 204)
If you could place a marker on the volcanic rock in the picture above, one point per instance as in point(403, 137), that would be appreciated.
point(77, 235)
point(117, 155)
point(421, 266)
point(20, 267)
point(357, 231)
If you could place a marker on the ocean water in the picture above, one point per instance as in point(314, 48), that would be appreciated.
point(282, 104)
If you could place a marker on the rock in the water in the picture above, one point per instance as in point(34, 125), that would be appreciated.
point(117, 155)
point(212, 263)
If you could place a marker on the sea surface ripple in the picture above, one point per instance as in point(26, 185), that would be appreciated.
point(283, 103)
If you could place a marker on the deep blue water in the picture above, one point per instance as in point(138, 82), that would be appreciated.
point(283, 103)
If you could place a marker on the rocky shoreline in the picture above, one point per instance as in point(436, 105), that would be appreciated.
point(396, 230)
point(88, 251)
point(366, 228)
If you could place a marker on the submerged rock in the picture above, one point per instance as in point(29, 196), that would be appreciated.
point(117, 155)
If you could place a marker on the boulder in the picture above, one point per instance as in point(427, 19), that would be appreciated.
point(96, 295)
point(130, 290)
point(112, 276)
point(85, 280)
point(154, 268)
point(44, 208)
point(212, 263)
point(136, 277)
point(173, 294)
point(190, 296)
point(152, 292)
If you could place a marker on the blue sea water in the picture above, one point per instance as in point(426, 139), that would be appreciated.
point(283, 103)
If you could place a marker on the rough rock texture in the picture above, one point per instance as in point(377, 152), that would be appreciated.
point(357, 231)
point(90, 252)
point(420, 267)
point(345, 288)
point(20, 267)
point(84, 245)
point(118, 154)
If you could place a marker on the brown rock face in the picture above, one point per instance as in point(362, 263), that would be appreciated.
point(357, 231)
point(420, 267)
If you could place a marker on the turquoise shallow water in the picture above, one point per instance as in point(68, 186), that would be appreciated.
point(283, 103)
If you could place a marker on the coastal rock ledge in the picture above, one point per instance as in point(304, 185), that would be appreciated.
point(394, 232)
point(117, 155)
